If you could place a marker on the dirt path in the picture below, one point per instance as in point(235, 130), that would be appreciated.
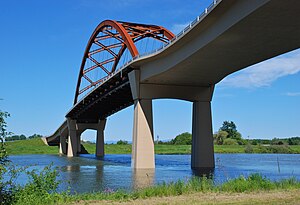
point(273, 197)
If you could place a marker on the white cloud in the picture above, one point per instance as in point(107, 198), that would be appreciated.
point(177, 28)
point(293, 94)
point(264, 73)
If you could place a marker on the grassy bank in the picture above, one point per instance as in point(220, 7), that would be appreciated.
point(190, 192)
point(36, 146)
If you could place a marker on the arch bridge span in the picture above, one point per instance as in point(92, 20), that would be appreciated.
point(228, 36)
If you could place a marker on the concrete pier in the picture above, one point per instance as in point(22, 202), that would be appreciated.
point(202, 137)
point(100, 138)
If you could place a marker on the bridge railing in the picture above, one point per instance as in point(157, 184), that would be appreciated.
point(185, 30)
point(156, 51)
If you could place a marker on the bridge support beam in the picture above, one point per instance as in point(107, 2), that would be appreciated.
point(62, 144)
point(202, 137)
point(78, 134)
point(72, 138)
point(142, 140)
point(100, 138)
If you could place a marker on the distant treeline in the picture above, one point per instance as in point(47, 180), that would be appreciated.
point(21, 137)
point(228, 135)
point(277, 141)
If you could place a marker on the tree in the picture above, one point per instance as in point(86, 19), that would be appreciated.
point(22, 137)
point(220, 136)
point(122, 142)
point(230, 141)
point(3, 134)
point(231, 129)
point(183, 139)
point(35, 136)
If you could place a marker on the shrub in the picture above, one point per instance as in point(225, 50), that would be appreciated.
point(220, 136)
point(294, 141)
point(230, 141)
point(183, 139)
point(40, 189)
point(279, 149)
point(242, 142)
point(248, 149)
point(262, 149)
point(122, 142)
point(276, 141)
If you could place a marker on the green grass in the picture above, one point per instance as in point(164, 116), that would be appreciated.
point(253, 183)
point(36, 146)
point(31, 146)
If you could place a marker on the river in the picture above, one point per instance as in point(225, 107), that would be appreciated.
point(87, 173)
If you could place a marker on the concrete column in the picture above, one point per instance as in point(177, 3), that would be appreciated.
point(62, 144)
point(72, 138)
point(142, 141)
point(202, 137)
point(78, 134)
point(100, 138)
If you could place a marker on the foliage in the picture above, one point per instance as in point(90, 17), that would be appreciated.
point(230, 141)
point(182, 139)
point(231, 129)
point(22, 137)
point(220, 136)
point(228, 135)
point(41, 188)
point(7, 186)
point(35, 193)
point(121, 142)
point(293, 141)
point(252, 183)
point(279, 149)
point(3, 134)
point(277, 141)
point(15, 137)
point(35, 136)
point(249, 148)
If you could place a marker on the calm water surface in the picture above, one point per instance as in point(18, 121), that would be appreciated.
point(87, 173)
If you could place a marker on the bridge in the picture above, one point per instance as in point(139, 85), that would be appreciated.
point(228, 36)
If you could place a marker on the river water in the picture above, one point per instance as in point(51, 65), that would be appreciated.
point(87, 173)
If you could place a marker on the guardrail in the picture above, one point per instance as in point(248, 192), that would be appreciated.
point(185, 30)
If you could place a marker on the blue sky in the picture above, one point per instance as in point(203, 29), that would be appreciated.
point(42, 44)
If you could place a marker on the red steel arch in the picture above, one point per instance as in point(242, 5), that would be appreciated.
point(126, 34)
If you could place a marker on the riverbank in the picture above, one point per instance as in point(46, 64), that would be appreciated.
point(36, 146)
point(254, 189)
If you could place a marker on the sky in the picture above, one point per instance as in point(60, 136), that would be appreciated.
point(42, 44)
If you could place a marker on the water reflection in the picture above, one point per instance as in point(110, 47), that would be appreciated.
point(142, 178)
point(204, 172)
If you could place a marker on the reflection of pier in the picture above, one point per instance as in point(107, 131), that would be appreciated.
point(229, 36)
point(80, 174)
point(142, 178)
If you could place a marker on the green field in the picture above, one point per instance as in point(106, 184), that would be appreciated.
point(36, 146)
